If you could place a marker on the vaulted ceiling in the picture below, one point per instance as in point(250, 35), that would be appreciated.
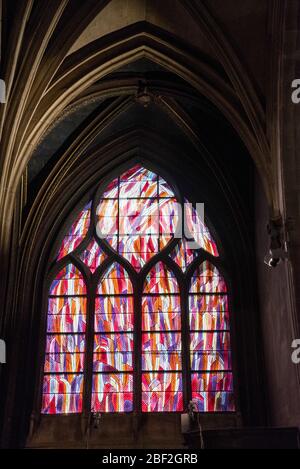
point(74, 71)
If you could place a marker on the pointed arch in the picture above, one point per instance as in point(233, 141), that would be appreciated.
point(65, 343)
point(162, 388)
point(143, 322)
point(112, 380)
point(210, 348)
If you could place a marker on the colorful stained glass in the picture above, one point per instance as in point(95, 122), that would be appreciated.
point(65, 343)
point(196, 236)
point(212, 382)
point(114, 305)
point(60, 362)
point(161, 342)
point(211, 361)
point(138, 250)
point(210, 353)
point(168, 216)
point(198, 230)
point(210, 341)
point(115, 281)
point(161, 361)
point(213, 392)
point(164, 189)
point(114, 314)
point(169, 401)
point(161, 303)
point(69, 281)
point(138, 174)
point(113, 353)
point(112, 362)
point(64, 353)
point(66, 314)
point(161, 382)
point(214, 401)
point(207, 279)
point(113, 343)
point(145, 189)
point(137, 215)
point(161, 350)
point(112, 190)
point(62, 393)
point(112, 393)
point(162, 392)
point(209, 312)
point(77, 232)
point(161, 313)
point(161, 279)
point(107, 223)
point(61, 403)
point(138, 182)
point(161, 321)
point(183, 255)
point(93, 256)
point(113, 348)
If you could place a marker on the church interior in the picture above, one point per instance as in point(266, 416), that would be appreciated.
point(149, 224)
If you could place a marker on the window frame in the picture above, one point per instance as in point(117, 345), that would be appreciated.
point(137, 279)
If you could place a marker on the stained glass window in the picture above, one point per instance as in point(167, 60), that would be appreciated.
point(198, 230)
point(93, 256)
point(77, 233)
point(210, 353)
point(65, 343)
point(161, 342)
point(112, 386)
point(195, 237)
point(121, 334)
point(183, 255)
point(137, 215)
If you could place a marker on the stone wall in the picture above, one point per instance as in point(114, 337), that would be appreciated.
point(281, 380)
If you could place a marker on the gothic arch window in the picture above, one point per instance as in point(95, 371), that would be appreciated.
point(112, 384)
point(210, 354)
point(161, 342)
point(65, 343)
point(138, 313)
